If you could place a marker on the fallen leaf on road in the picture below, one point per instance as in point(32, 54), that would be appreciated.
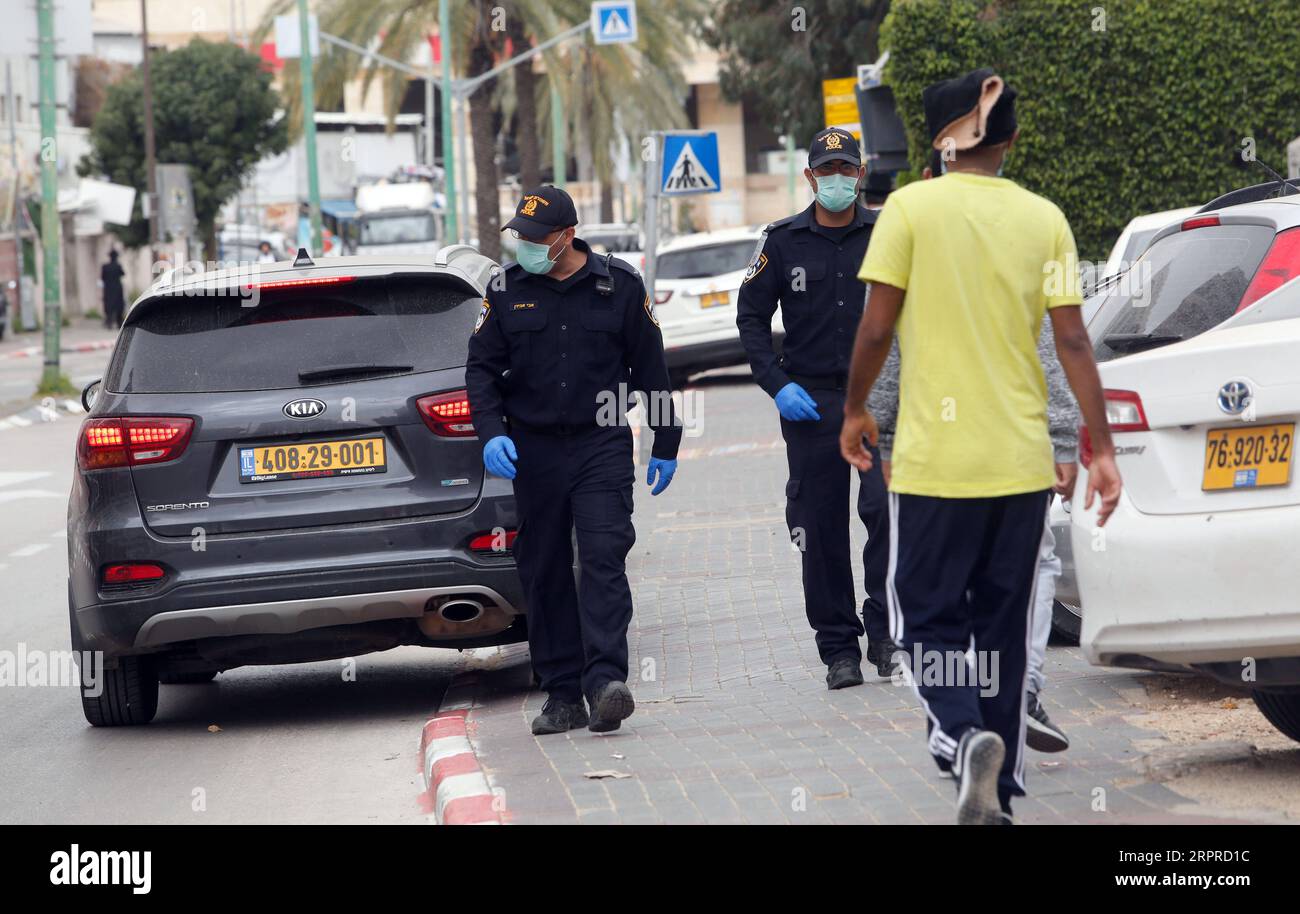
point(607, 773)
point(213, 728)
point(1229, 704)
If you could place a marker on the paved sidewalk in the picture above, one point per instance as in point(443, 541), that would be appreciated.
point(734, 723)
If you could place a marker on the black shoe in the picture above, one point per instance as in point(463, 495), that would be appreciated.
point(881, 655)
point(843, 673)
point(559, 717)
point(978, 762)
point(611, 704)
point(1041, 734)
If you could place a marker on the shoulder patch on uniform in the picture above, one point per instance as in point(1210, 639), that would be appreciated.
point(755, 266)
point(650, 311)
point(482, 315)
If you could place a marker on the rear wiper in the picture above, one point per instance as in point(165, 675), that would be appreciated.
point(1138, 340)
point(337, 372)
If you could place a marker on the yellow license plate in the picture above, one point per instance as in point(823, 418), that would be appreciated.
point(353, 457)
point(715, 299)
point(1248, 457)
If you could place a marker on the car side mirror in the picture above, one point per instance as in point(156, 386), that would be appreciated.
point(89, 393)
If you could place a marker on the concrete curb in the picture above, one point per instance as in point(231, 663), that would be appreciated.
point(28, 352)
point(42, 412)
point(456, 790)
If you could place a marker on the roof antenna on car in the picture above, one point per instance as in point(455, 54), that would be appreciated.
point(303, 259)
point(1286, 184)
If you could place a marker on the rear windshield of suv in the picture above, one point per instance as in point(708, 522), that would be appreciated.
point(184, 344)
point(1182, 286)
point(700, 263)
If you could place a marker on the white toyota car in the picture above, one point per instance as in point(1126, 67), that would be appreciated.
point(1197, 568)
point(697, 282)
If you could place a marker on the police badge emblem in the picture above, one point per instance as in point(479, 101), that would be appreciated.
point(482, 316)
point(756, 266)
point(650, 311)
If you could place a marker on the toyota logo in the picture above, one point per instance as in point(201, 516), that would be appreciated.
point(1234, 397)
point(304, 409)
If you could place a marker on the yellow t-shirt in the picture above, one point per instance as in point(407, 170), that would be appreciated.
point(980, 259)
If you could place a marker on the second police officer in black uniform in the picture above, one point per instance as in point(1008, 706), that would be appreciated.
point(563, 336)
point(809, 264)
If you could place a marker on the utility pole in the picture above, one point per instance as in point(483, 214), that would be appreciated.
point(448, 155)
point(309, 127)
point(150, 178)
point(50, 239)
point(559, 129)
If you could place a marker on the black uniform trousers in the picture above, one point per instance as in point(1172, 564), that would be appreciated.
point(817, 513)
point(962, 577)
point(579, 480)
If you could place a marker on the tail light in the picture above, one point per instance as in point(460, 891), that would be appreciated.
point(447, 414)
point(1124, 413)
point(1196, 222)
point(1281, 265)
point(132, 573)
point(491, 542)
point(298, 283)
point(132, 440)
point(661, 298)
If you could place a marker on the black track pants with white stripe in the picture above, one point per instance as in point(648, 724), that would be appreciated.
point(962, 574)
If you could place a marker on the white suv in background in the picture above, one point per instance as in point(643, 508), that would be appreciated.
point(697, 281)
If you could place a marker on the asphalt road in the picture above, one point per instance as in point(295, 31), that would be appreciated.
point(295, 744)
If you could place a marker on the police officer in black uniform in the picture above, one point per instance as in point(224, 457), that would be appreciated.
point(563, 338)
point(809, 263)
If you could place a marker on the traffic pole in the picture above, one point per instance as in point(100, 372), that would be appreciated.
point(448, 154)
point(50, 234)
point(559, 138)
point(309, 127)
point(150, 204)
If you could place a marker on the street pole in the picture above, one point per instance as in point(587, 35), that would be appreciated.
point(150, 179)
point(462, 156)
point(448, 155)
point(559, 129)
point(50, 239)
point(309, 127)
point(789, 168)
point(651, 214)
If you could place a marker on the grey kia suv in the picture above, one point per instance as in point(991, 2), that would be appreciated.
point(280, 467)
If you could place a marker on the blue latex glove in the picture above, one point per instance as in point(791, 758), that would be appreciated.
point(499, 457)
point(664, 469)
point(795, 404)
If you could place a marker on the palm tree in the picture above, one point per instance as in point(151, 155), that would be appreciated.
point(610, 92)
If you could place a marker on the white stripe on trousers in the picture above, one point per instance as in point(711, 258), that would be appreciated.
point(940, 743)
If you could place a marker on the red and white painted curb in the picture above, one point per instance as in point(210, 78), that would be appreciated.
point(456, 790)
point(33, 351)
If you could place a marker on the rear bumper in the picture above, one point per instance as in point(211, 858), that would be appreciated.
point(1209, 591)
point(286, 604)
point(707, 353)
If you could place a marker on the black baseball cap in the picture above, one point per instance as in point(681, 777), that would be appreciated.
point(543, 210)
point(831, 144)
point(974, 109)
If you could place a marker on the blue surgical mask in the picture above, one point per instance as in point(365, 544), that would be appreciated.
point(837, 192)
point(534, 258)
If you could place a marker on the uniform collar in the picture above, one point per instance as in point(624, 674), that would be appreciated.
point(808, 219)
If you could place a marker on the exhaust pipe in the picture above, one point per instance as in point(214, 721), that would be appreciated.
point(461, 610)
point(457, 617)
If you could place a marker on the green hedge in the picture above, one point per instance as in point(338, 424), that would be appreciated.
point(1146, 114)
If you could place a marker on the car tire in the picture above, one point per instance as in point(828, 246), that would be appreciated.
point(1282, 710)
point(187, 678)
point(129, 696)
point(1067, 622)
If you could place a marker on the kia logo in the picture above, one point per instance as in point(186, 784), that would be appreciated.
point(304, 409)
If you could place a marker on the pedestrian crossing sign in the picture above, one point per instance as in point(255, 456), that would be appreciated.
point(614, 21)
point(690, 164)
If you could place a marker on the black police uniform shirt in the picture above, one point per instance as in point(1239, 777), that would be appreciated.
point(552, 353)
point(812, 270)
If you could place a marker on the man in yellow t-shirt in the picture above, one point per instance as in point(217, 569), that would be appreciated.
point(964, 267)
